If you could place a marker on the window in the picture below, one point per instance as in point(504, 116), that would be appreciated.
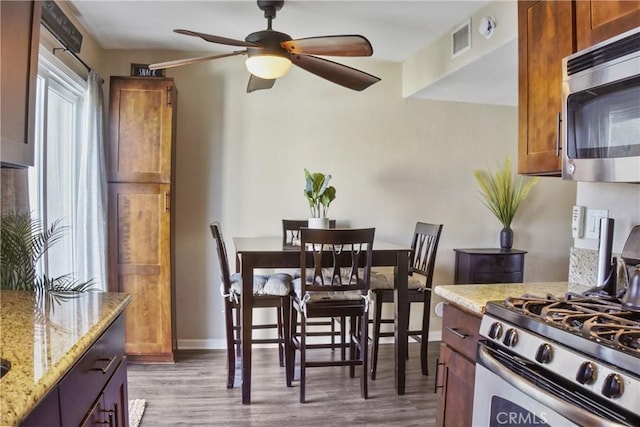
point(53, 182)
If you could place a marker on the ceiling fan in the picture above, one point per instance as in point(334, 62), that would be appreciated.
point(270, 54)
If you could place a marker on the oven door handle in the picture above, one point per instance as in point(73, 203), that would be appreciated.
point(572, 413)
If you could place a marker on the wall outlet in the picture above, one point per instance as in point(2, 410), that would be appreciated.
point(592, 228)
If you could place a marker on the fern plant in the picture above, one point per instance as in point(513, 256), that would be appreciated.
point(23, 243)
point(502, 193)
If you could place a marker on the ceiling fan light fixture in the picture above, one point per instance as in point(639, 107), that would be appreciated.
point(268, 66)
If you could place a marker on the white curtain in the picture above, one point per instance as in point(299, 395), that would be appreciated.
point(91, 211)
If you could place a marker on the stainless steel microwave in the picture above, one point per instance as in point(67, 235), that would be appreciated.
point(601, 111)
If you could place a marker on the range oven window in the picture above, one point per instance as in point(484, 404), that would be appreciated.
point(604, 122)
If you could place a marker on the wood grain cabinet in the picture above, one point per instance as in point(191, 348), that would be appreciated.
point(19, 39)
point(547, 32)
point(456, 366)
point(598, 20)
point(141, 153)
point(545, 36)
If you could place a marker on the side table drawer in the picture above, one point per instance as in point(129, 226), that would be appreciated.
point(489, 265)
point(498, 263)
point(460, 330)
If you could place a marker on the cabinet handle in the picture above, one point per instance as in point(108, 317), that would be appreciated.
point(455, 332)
point(166, 201)
point(558, 132)
point(435, 385)
point(106, 368)
point(169, 96)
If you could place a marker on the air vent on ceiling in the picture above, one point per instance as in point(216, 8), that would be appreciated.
point(461, 39)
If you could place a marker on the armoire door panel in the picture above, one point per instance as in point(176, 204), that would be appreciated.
point(141, 130)
point(139, 214)
point(149, 311)
point(140, 254)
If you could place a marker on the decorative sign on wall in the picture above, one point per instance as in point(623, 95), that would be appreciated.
point(59, 25)
point(142, 70)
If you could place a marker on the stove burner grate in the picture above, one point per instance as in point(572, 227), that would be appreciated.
point(599, 319)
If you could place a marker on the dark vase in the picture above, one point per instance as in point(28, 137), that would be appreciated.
point(506, 238)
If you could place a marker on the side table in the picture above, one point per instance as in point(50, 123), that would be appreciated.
point(489, 265)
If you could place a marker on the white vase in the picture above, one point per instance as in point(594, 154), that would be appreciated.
point(318, 222)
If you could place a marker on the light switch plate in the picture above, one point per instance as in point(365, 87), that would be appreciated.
point(592, 228)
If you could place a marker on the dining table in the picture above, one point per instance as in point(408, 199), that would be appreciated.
point(270, 253)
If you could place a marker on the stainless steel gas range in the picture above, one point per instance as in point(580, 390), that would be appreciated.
point(573, 361)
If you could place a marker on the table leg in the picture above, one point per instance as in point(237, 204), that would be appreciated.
point(247, 321)
point(401, 307)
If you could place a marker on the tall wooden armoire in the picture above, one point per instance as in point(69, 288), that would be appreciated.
point(142, 117)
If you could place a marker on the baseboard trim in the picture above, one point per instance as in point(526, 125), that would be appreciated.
point(221, 344)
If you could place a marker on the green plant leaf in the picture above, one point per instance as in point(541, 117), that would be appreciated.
point(23, 243)
point(318, 192)
point(502, 193)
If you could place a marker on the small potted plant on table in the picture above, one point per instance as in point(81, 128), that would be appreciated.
point(319, 194)
point(502, 194)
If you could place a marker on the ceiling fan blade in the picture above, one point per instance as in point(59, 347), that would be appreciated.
point(217, 39)
point(337, 73)
point(257, 83)
point(187, 61)
point(347, 45)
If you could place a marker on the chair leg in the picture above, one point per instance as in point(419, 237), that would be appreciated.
point(291, 368)
point(279, 311)
point(408, 323)
point(377, 317)
point(303, 356)
point(424, 345)
point(343, 337)
point(231, 354)
point(352, 344)
point(364, 354)
point(285, 309)
point(238, 334)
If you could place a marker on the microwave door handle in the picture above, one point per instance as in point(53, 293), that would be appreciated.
point(573, 413)
point(558, 131)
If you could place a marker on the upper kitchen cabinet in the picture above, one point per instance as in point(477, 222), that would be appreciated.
point(548, 31)
point(141, 128)
point(20, 37)
point(545, 36)
point(597, 21)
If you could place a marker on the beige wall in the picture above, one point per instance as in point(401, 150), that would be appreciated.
point(240, 160)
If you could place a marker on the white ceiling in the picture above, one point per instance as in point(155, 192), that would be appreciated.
point(396, 29)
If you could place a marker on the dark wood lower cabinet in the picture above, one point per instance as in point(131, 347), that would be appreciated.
point(94, 391)
point(111, 409)
point(47, 413)
point(455, 407)
point(457, 367)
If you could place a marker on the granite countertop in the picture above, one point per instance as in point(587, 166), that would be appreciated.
point(475, 297)
point(43, 338)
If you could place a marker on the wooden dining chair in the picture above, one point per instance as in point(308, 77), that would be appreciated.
point(272, 291)
point(346, 254)
point(423, 257)
point(291, 237)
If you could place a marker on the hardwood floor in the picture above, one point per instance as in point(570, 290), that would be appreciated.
point(193, 392)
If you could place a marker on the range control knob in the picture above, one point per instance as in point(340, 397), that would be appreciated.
point(544, 353)
point(586, 373)
point(612, 386)
point(495, 331)
point(510, 337)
